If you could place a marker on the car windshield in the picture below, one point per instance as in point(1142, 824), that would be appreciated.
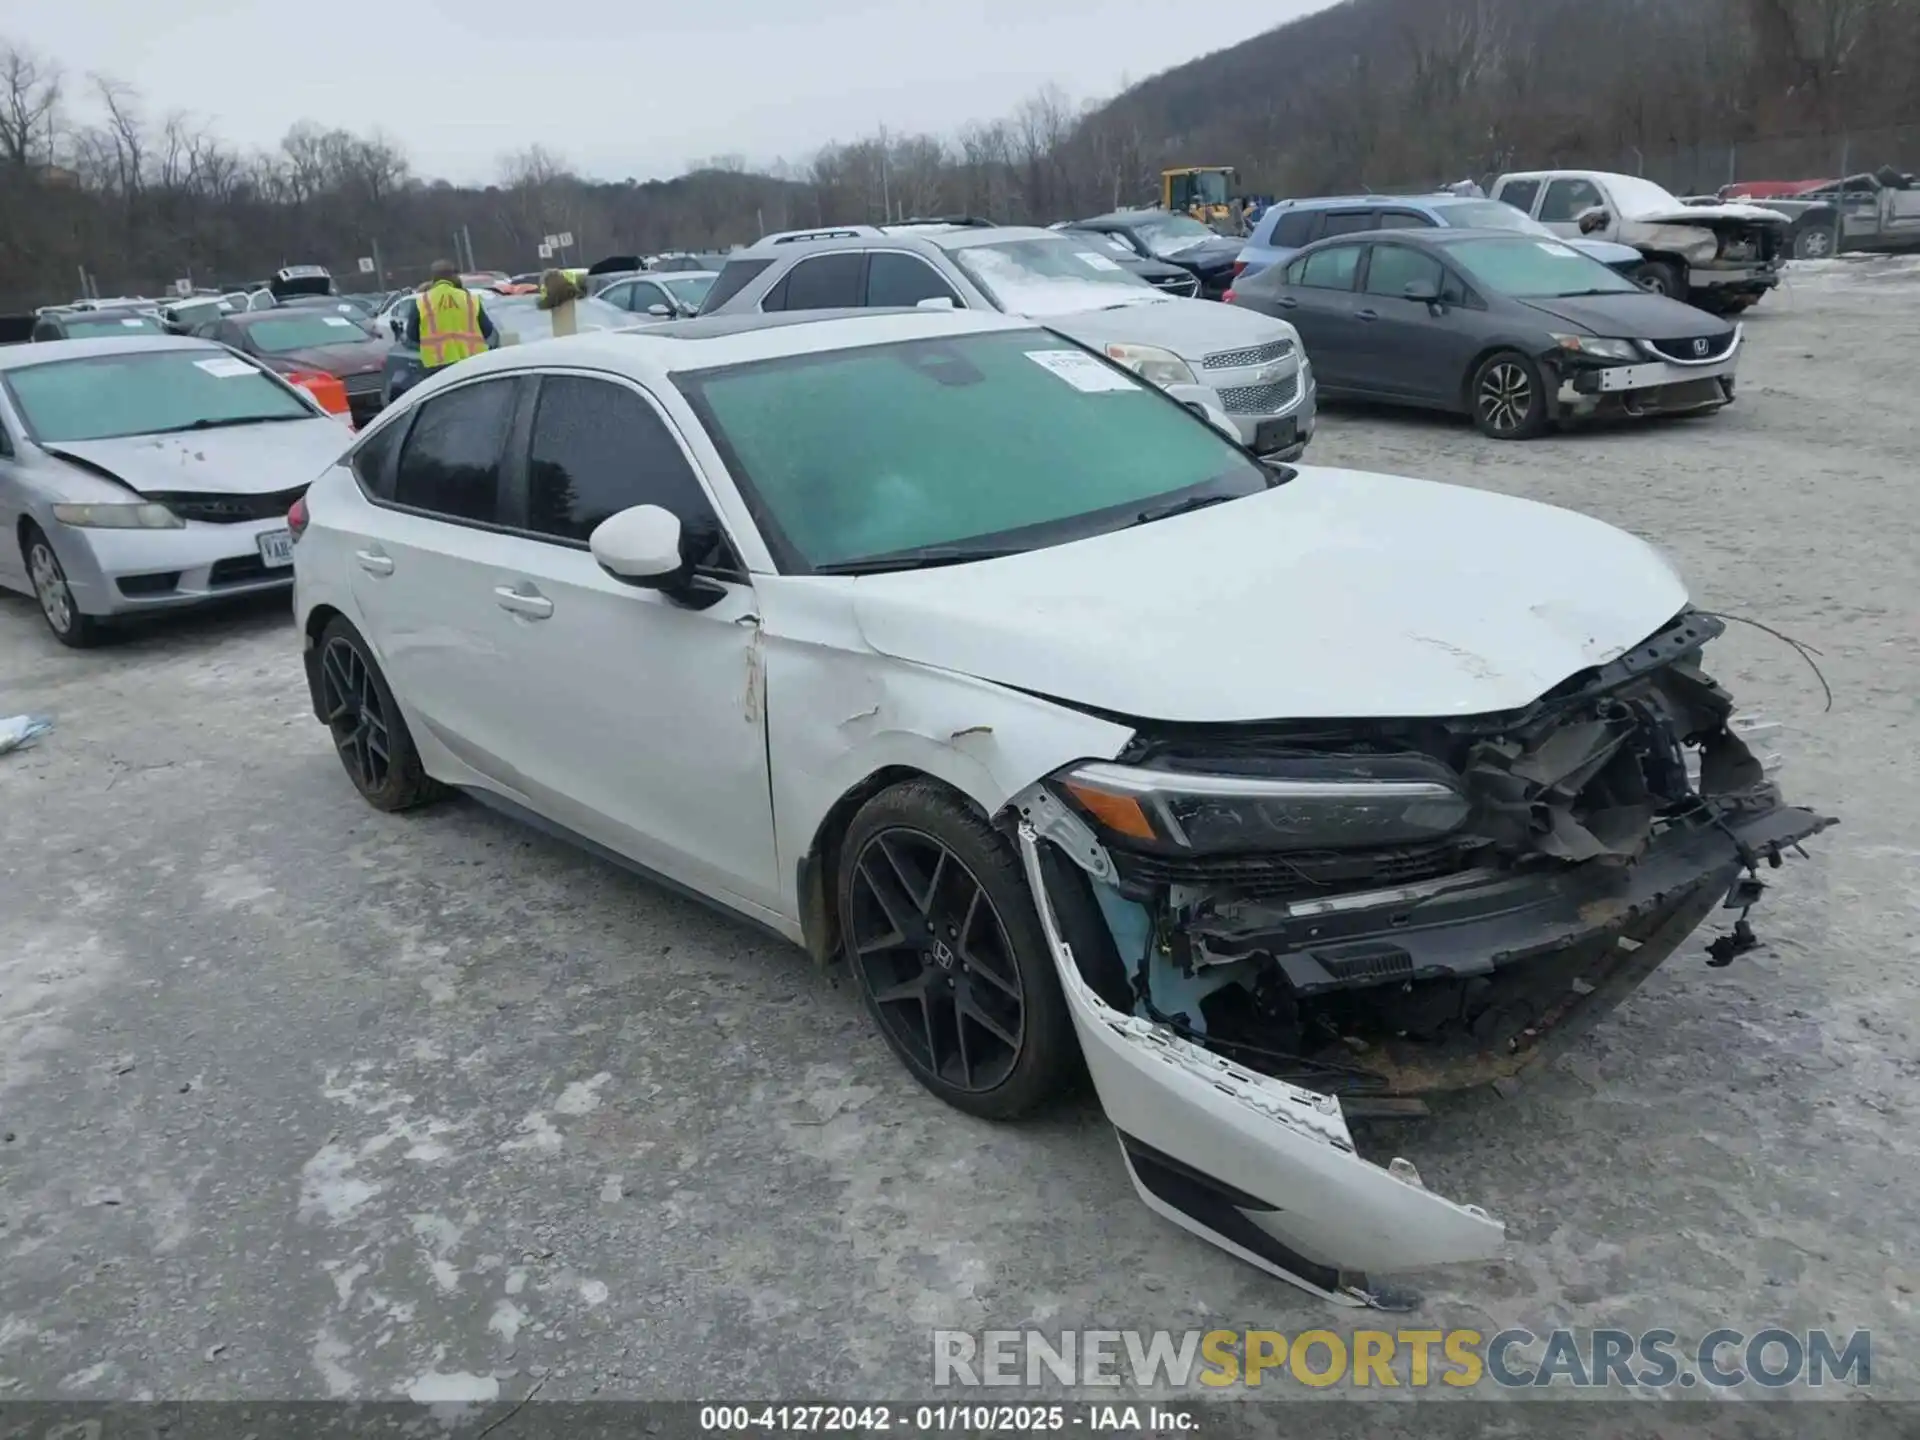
point(1489, 215)
point(311, 330)
point(1054, 276)
point(1635, 196)
point(1536, 269)
point(1171, 234)
point(103, 397)
point(93, 327)
point(944, 448)
point(690, 291)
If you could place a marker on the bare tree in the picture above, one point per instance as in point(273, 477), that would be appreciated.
point(29, 92)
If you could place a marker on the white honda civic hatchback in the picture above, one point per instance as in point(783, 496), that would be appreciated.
point(957, 654)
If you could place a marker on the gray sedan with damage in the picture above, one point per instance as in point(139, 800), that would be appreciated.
point(146, 474)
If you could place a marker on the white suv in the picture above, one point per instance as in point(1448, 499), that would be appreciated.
point(956, 653)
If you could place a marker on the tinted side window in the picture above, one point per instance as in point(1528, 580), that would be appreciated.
point(1348, 222)
point(826, 282)
point(1404, 220)
point(735, 276)
point(896, 279)
point(643, 294)
point(451, 462)
point(598, 448)
point(1566, 199)
point(1295, 228)
point(1520, 193)
point(373, 462)
point(1394, 267)
point(1331, 269)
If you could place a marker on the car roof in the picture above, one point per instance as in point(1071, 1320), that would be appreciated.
point(1125, 217)
point(1325, 202)
point(710, 341)
point(1441, 238)
point(43, 352)
point(864, 237)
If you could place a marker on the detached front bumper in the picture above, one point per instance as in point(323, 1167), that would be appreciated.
point(1654, 387)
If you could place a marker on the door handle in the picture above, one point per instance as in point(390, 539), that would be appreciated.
point(373, 562)
point(534, 607)
point(1368, 315)
point(1287, 302)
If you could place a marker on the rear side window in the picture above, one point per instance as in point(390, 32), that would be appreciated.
point(1295, 228)
point(825, 282)
point(734, 277)
point(1520, 194)
point(450, 465)
point(896, 279)
point(373, 462)
point(1348, 222)
point(1330, 269)
point(597, 449)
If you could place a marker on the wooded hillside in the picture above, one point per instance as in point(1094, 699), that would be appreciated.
point(1380, 94)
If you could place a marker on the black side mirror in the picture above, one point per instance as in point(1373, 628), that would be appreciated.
point(1594, 220)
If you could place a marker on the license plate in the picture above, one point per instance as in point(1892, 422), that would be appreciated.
point(1275, 435)
point(276, 547)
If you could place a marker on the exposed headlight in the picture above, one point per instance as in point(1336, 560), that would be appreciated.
point(1597, 348)
point(1306, 803)
point(118, 517)
point(1152, 364)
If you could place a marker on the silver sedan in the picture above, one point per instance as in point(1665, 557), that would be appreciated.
point(147, 474)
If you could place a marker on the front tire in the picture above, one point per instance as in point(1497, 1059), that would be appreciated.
point(940, 932)
point(368, 730)
point(57, 605)
point(1814, 241)
point(1509, 397)
point(1662, 277)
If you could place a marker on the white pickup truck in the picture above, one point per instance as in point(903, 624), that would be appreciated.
point(1719, 257)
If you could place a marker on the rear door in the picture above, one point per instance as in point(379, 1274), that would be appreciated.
point(422, 575)
point(1319, 299)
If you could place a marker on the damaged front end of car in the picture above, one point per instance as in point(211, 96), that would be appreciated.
point(1266, 928)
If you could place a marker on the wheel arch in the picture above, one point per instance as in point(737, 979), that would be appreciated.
point(1485, 353)
point(312, 626)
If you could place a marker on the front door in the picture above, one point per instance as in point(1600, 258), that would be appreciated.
point(1417, 352)
point(635, 721)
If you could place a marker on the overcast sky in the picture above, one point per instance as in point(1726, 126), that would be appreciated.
point(619, 87)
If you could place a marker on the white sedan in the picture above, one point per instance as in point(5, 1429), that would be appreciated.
point(956, 653)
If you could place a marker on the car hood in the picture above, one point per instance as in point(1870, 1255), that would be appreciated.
point(356, 358)
point(1214, 254)
point(246, 460)
point(1632, 314)
point(1341, 595)
point(1187, 327)
point(1705, 214)
point(1606, 252)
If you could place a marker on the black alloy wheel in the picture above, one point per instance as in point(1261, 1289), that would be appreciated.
point(935, 957)
point(355, 715)
point(368, 730)
point(1509, 398)
point(939, 929)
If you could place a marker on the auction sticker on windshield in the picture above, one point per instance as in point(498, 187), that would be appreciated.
point(336, 320)
point(225, 368)
point(133, 324)
point(1098, 262)
point(1083, 372)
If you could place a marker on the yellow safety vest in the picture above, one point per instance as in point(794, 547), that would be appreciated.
point(449, 325)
